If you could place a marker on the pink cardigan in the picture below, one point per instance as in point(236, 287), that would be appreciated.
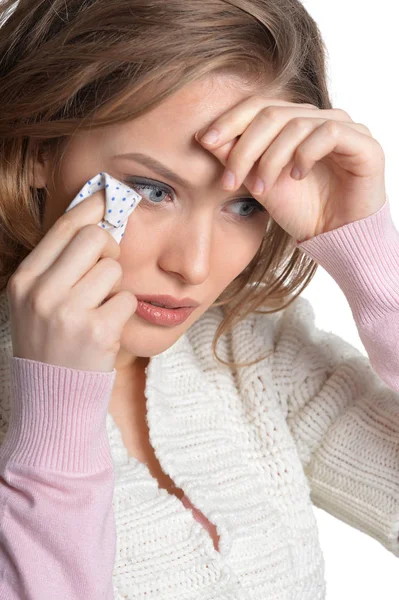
point(79, 461)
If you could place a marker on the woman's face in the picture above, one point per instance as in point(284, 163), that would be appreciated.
point(184, 239)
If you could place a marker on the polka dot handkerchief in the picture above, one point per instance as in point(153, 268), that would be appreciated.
point(120, 202)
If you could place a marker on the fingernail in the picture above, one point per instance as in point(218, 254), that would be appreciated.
point(228, 180)
point(295, 173)
point(259, 186)
point(210, 137)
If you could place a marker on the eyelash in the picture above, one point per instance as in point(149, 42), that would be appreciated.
point(143, 183)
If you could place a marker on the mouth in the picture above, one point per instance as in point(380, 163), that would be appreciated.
point(167, 301)
point(158, 315)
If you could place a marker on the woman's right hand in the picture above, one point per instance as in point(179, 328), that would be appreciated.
point(55, 294)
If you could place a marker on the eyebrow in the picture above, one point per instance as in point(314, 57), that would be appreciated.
point(162, 170)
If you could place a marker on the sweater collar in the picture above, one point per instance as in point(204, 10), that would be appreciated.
point(199, 414)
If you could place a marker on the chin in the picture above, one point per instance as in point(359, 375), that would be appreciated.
point(140, 338)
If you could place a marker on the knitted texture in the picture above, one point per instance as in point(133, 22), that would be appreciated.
point(252, 449)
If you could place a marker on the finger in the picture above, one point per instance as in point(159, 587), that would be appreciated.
point(124, 305)
point(281, 152)
point(57, 238)
point(236, 120)
point(223, 152)
point(358, 151)
point(261, 131)
point(85, 250)
point(294, 141)
point(96, 283)
point(265, 137)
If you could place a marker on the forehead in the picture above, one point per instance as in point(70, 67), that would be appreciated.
point(191, 108)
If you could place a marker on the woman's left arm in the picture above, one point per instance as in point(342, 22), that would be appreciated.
point(363, 258)
point(343, 415)
point(343, 419)
point(337, 211)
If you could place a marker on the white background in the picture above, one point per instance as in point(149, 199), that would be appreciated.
point(361, 39)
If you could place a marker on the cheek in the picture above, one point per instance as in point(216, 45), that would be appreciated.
point(137, 250)
point(247, 244)
point(233, 258)
point(140, 247)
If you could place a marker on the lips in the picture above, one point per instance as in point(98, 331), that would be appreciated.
point(168, 317)
point(160, 305)
point(168, 301)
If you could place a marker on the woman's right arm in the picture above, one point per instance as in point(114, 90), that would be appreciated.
point(57, 528)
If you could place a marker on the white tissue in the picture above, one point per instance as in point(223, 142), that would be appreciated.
point(120, 202)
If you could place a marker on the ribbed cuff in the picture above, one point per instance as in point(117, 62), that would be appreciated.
point(58, 417)
point(363, 258)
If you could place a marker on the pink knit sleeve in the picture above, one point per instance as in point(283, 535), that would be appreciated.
point(57, 528)
point(363, 258)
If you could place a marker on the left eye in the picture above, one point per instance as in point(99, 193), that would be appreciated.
point(157, 192)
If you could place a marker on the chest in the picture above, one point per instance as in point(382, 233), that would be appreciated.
point(139, 447)
point(129, 411)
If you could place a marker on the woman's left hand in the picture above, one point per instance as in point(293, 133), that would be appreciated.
point(342, 166)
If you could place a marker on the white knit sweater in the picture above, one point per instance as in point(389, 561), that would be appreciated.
point(253, 448)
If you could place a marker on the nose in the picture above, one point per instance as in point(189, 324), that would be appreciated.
point(189, 249)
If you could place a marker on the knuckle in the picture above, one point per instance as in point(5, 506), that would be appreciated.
point(332, 127)
point(342, 113)
point(67, 315)
point(301, 124)
point(98, 333)
point(38, 301)
point(365, 128)
point(269, 112)
point(95, 232)
point(15, 285)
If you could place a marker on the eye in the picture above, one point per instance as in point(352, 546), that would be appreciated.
point(251, 207)
point(154, 192)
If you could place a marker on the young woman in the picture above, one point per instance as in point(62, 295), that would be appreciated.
point(136, 461)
